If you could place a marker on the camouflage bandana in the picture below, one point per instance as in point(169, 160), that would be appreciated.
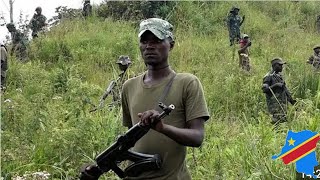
point(124, 60)
point(160, 28)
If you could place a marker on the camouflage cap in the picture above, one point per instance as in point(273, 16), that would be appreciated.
point(277, 60)
point(316, 47)
point(124, 60)
point(159, 27)
point(234, 8)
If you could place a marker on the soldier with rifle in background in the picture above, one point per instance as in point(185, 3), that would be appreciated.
point(114, 88)
point(37, 23)
point(277, 94)
point(234, 21)
point(19, 42)
point(87, 8)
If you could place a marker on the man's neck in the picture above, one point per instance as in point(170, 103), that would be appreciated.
point(158, 73)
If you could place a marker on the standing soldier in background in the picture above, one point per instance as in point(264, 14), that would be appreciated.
point(115, 86)
point(244, 60)
point(234, 21)
point(87, 8)
point(315, 58)
point(19, 44)
point(4, 66)
point(37, 23)
point(277, 94)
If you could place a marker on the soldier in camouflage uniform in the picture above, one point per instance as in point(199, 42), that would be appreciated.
point(4, 66)
point(115, 86)
point(277, 94)
point(123, 62)
point(87, 8)
point(19, 42)
point(315, 58)
point(37, 23)
point(244, 60)
point(234, 21)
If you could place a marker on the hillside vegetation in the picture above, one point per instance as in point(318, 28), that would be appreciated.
point(45, 119)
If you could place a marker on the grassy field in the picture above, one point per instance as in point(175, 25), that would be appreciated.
point(45, 119)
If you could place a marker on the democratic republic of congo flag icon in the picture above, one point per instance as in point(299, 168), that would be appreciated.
point(300, 148)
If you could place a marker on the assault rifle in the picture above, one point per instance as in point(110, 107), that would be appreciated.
point(119, 151)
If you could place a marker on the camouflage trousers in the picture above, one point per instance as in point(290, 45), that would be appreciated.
point(278, 112)
point(244, 61)
point(234, 36)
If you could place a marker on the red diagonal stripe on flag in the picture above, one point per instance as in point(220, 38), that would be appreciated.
point(301, 151)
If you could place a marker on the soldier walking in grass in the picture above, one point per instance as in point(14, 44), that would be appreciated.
point(4, 66)
point(38, 22)
point(87, 8)
point(244, 60)
point(19, 42)
point(315, 58)
point(234, 21)
point(277, 94)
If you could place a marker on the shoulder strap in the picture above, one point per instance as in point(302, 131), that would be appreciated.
point(166, 90)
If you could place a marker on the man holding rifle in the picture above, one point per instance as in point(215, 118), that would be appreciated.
point(277, 94)
point(141, 95)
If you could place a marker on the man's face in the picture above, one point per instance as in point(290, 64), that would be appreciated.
point(278, 67)
point(38, 11)
point(236, 11)
point(317, 50)
point(154, 51)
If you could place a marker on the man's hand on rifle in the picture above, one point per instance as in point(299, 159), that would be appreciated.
point(150, 118)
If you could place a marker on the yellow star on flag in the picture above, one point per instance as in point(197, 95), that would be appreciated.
point(291, 142)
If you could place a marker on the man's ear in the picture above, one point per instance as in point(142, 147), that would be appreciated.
point(171, 45)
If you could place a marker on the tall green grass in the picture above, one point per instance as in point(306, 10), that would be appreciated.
point(45, 120)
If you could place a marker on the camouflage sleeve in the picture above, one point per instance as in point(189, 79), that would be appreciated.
point(228, 21)
point(266, 84)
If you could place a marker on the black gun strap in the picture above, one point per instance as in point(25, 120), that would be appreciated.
point(166, 90)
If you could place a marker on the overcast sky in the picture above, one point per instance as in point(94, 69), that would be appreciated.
point(27, 7)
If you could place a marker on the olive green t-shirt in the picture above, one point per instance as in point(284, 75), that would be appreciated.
point(186, 94)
